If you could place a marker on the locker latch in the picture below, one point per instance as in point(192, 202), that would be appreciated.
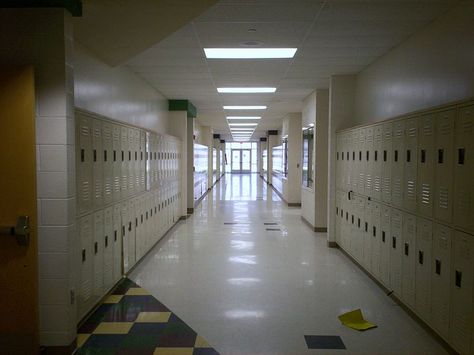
point(420, 257)
point(21, 231)
point(438, 267)
point(458, 278)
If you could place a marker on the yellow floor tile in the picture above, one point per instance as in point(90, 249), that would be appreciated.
point(153, 317)
point(137, 291)
point(113, 299)
point(113, 328)
point(201, 342)
point(173, 351)
point(81, 339)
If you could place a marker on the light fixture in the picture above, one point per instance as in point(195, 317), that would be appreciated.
point(258, 90)
point(244, 117)
point(243, 124)
point(249, 53)
point(245, 107)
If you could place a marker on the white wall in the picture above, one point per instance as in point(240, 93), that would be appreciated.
point(292, 183)
point(433, 67)
point(117, 93)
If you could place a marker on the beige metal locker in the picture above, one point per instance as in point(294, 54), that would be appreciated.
point(97, 165)
point(368, 161)
point(339, 166)
point(142, 165)
point(117, 240)
point(133, 215)
point(398, 149)
point(386, 160)
point(396, 226)
point(426, 156)
point(357, 239)
point(108, 243)
point(337, 220)
point(424, 243)
point(375, 231)
point(444, 187)
point(464, 169)
point(408, 259)
point(377, 162)
point(354, 159)
point(108, 164)
point(347, 163)
point(385, 245)
point(411, 164)
point(367, 236)
point(116, 161)
point(441, 279)
point(136, 159)
point(86, 274)
point(131, 161)
point(98, 251)
point(124, 150)
point(84, 163)
point(361, 166)
point(462, 293)
point(126, 231)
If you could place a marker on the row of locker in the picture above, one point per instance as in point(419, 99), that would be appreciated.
point(115, 161)
point(428, 266)
point(114, 239)
point(422, 164)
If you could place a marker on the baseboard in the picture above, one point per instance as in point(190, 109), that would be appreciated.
point(320, 229)
point(332, 245)
point(190, 210)
point(294, 204)
point(183, 218)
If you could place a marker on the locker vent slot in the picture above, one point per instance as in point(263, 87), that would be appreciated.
point(443, 201)
point(407, 249)
point(438, 267)
point(425, 193)
point(420, 257)
point(411, 189)
point(440, 156)
point(461, 155)
point(458, 278)
point(423, 156)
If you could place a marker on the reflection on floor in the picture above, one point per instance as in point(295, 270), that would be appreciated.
point(131, 321)
point(251, 278)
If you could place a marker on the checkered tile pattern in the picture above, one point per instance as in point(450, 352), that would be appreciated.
point(131, 321)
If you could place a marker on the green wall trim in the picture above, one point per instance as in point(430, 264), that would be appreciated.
point(183, 105)
point(73, 6)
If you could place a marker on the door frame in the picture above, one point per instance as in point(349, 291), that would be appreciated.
point(240, 150)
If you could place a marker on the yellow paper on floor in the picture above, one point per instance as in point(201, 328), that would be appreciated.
point(355, 320)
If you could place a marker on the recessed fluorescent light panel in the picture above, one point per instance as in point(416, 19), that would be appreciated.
point(243, 124)
point(244, 117)
point(245, 90)
point(245, 107)
point(249, 53)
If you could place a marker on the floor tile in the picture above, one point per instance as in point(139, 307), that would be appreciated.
point(113, 299)
point(201, 343)
point(81, 339)
point(173, 351)
point(113, 328)
point(324, 342)
point(136, 291)
point(153, 317)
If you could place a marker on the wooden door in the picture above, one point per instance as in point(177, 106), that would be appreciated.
point(19, 329)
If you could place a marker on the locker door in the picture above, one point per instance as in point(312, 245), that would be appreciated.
point(443, 206)
point(361, 169)
point(345, 229)
point(396, 223)
point(339, 173)
point(408, 259)
point(348, 164)
point(126, 229)
point(136, 159)
point(359, 236)
point(107, 161)
point(386, 160)
point(398, 148)
point(108, 249)
point(124, 149)
point(98, 254)
point(426, 165)
point(117, 233)
point(375, 232)
point(142, 167)
point(424, 238)
point(132, 238)
point(131, 161)
point(411, 164)
point(116, 161)
point(441, 279)
point(464, 169)
point(148, 219)
point(97, 165)
point(84, 163)
point(377, 162)
point(367, 236)
point(354, 173)
point(369, 158)
point(462, 293)
point(385, 246)
point(86, 274)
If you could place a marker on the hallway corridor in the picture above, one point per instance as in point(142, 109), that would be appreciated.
point(250, 277)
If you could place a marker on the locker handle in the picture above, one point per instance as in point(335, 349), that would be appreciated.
point(115, 155)
point(83, 255)
point(438, 266)
point(461, 156)
point(395, 156)
point(420, 257)
point(129, 226)
point(115, 236)
point(105, 155)
point(440, 156)
point(347, 216)
point(95, 155)
point(123, 231)
point(83, 156)
point(394, 242)
point(337, 156)
point(458, 278)
point(423, 156)
point(407, 249)
point(360, 155)
point(123, 155)
point(358, 222)
point(106, 241)
point(383, 236)
point(337, 210)
point(96, 248)
point(352, 219)
point(367, 154)
point(384, 155)
point(136, 222)
point(376, 155)
point(374, 231)
point(408, 155)
point(366, 227)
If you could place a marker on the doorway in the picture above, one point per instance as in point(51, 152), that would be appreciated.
point(241, 160)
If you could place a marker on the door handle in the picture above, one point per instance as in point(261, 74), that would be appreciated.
point(21, 231)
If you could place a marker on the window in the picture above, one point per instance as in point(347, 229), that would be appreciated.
point(308, 138)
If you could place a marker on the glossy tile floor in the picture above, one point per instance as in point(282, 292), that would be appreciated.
point(250, 290)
